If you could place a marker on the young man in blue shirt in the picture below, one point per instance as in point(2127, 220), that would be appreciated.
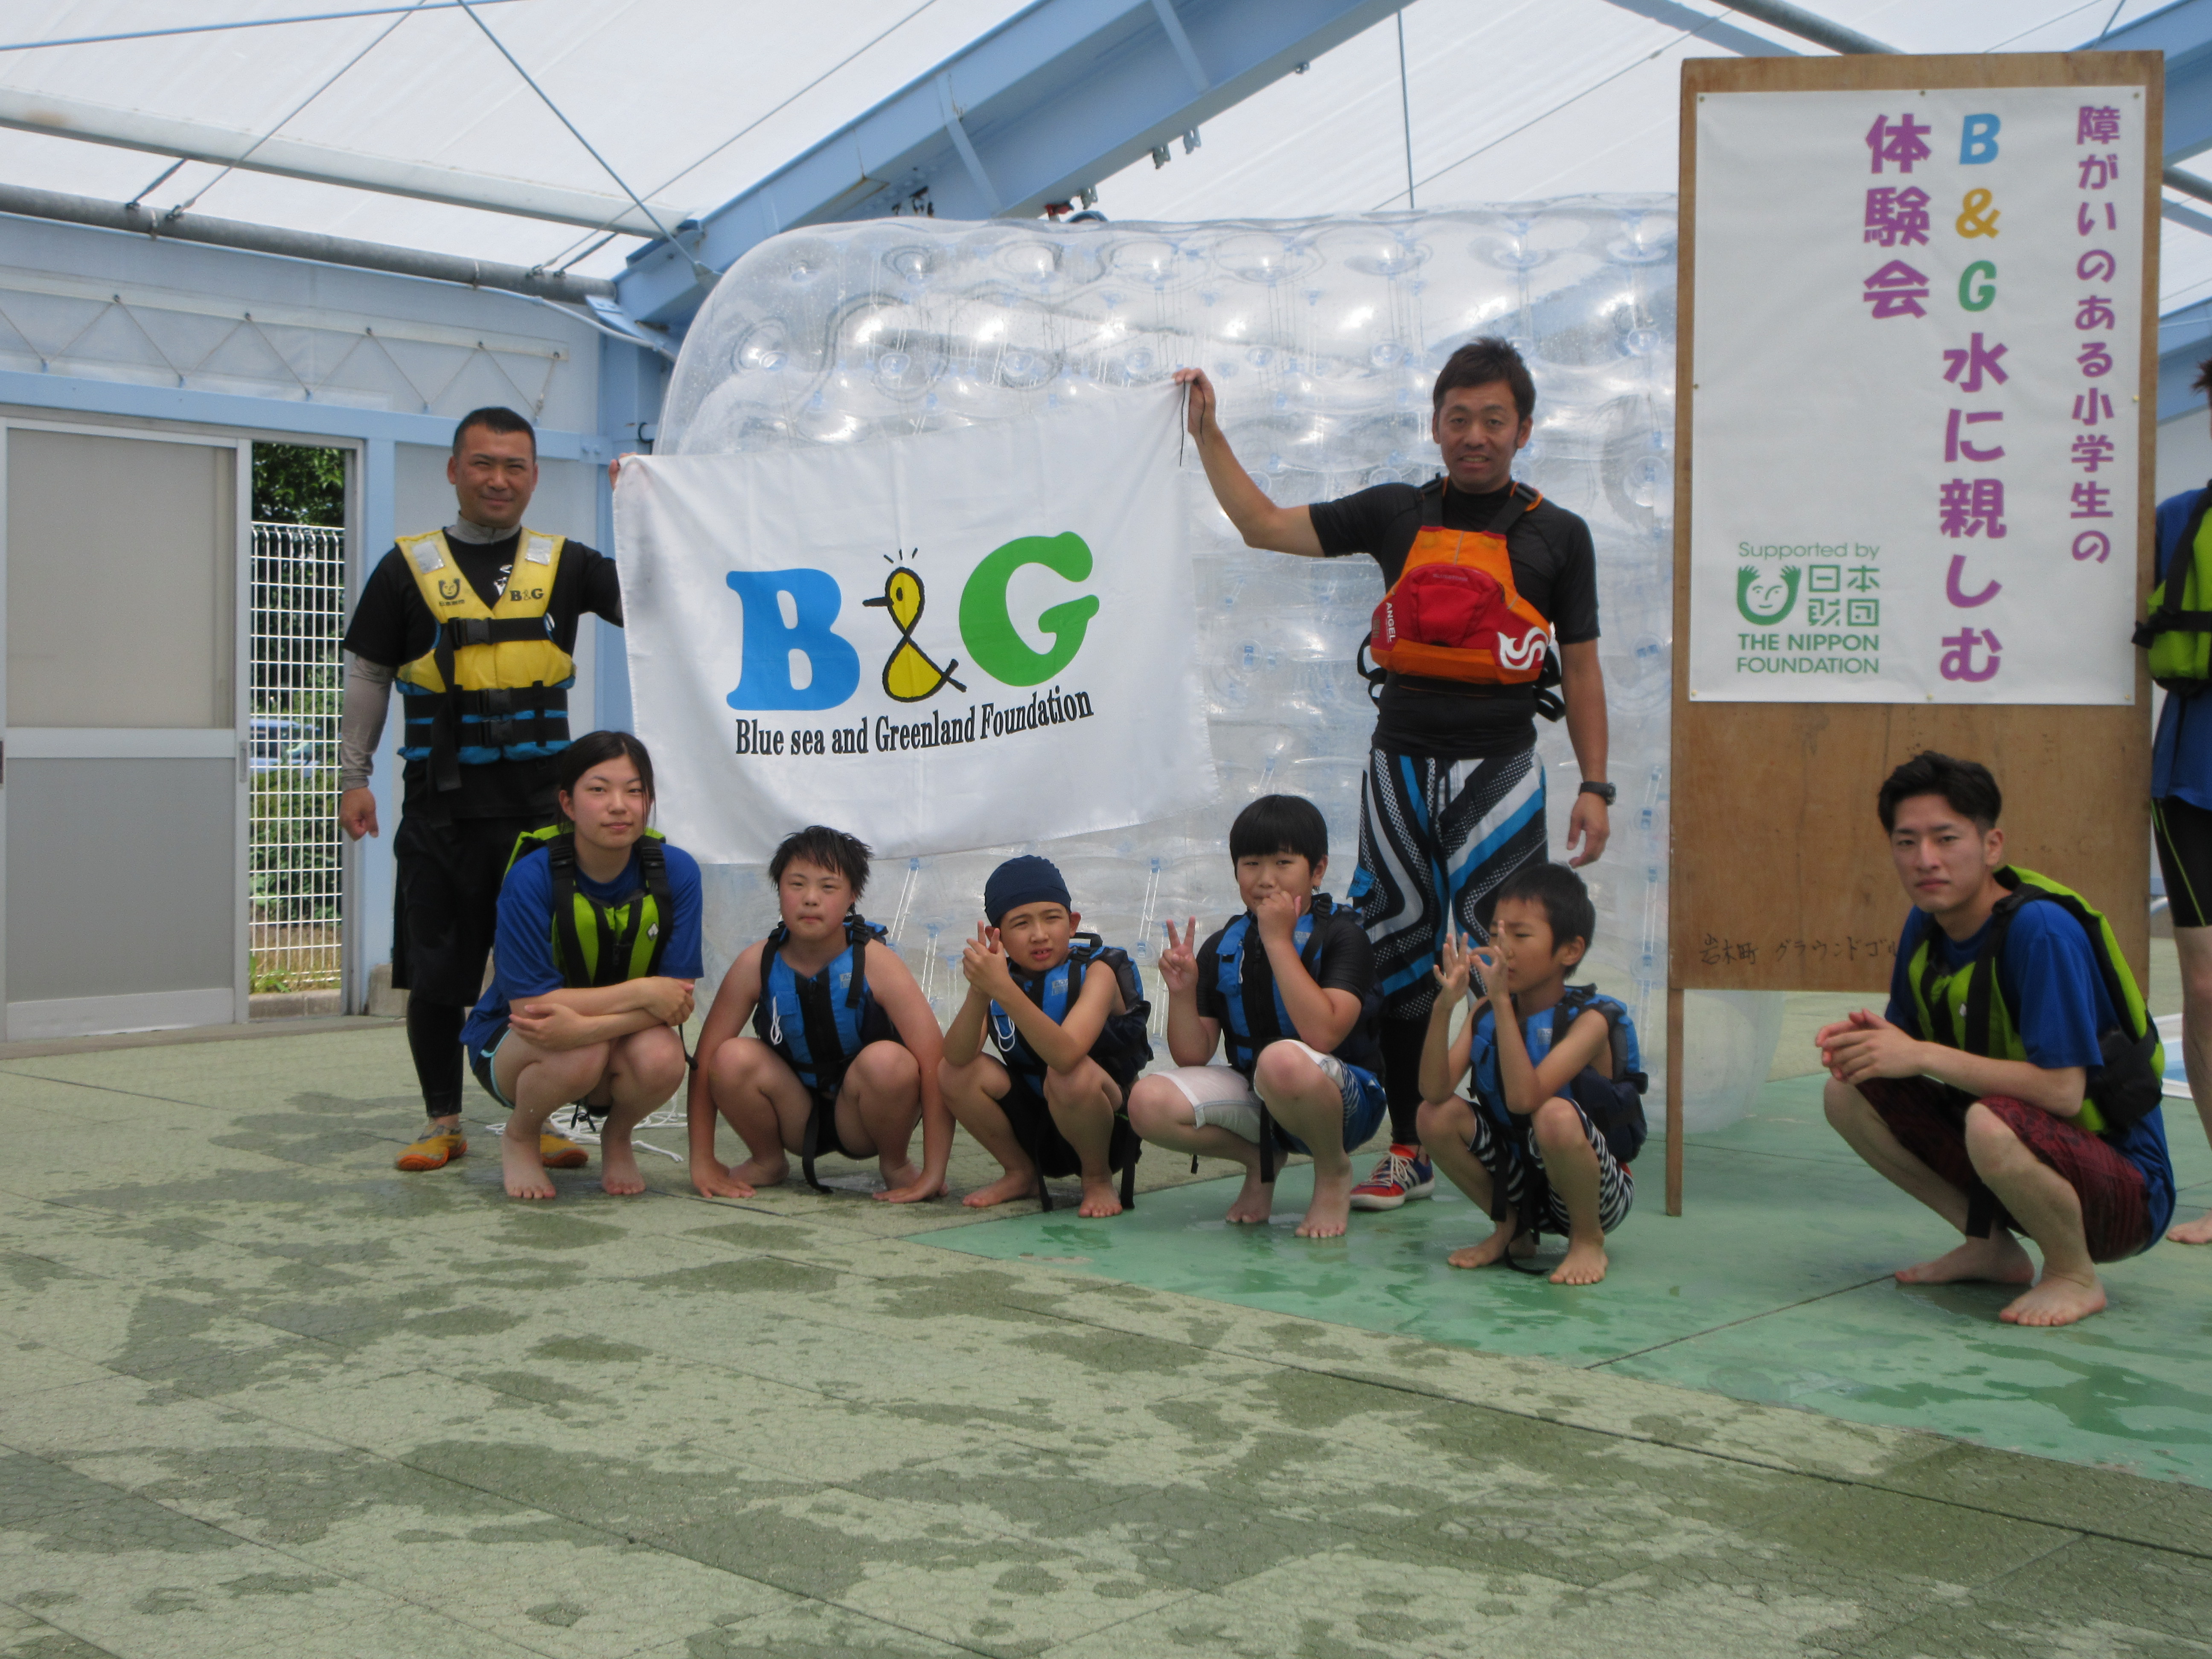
point(2010, 1140)
point(2181, 825)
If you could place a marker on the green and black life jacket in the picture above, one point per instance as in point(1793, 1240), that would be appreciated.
point(2178, 632)
point(1965, 1008)
point(595, 943)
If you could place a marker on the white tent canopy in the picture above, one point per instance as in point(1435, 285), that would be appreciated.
point(689, 102)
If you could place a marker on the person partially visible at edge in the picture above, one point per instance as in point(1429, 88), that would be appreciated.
point(598, 951)
point(479, 766)
point(1454, 795)
point(2003, 1143)
point(1067, 1013)
point(843, 1054)
point(1287, 990)
point(2181, 826)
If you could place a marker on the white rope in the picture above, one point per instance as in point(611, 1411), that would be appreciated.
point(575, 1123)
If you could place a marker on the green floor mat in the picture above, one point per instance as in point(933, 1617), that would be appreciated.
point(1775, 1286)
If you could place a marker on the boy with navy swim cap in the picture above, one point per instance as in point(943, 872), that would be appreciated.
point(1545, 1143)
point(1066, 1014)
point(1289, 988)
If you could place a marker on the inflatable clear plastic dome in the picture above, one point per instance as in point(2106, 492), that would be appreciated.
point(1324, 337)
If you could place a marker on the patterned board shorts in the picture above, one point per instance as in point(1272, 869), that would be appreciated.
point(2114, 1206)
point(1514, 1161)
point(1436, 839)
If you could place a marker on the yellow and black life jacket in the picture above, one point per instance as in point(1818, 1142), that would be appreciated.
point(1965, 1008)
point(596, 944)
point(494, 686)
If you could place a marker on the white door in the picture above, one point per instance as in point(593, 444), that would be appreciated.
point(123, 782)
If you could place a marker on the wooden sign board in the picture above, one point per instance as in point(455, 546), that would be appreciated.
point(1780, 875)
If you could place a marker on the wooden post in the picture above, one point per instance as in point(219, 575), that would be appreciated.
point(1674, 1100)
point(1779, 879)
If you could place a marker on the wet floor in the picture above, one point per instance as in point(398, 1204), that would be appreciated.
point(1774, 1285)
point(263, 1396)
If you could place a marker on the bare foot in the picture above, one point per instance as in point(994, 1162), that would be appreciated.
point(524, 1169)
point(1253, 1201)
point(1585, 1263)
point(1331, 1209)
point(2198, 1231)
point(1492, 1248)
point(1004, 1190)
point(2059, 1300)
point(759, 1172)
point(895, 1175)
point(1099, 1197)
point(618, 1171)
point(1997, 1258)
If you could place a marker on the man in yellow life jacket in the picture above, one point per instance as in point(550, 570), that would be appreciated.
point(476, 624)
point(1491, 602)
point(2012, 1084)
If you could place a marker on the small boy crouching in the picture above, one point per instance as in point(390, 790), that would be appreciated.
point(1556, 1115)
point(1289, 987)
point(1067, 1015)
point(844, 1050)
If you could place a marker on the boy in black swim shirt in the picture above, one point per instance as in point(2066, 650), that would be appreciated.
point(1290, 987)
point(1066, 1014)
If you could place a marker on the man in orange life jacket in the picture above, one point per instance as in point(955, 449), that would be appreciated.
point(1453, 802)
point(477, 624)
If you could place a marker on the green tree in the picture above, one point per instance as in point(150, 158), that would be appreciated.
point(299, 483)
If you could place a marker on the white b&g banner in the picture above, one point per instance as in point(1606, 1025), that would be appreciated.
point(958, 640)
point(1917, 363)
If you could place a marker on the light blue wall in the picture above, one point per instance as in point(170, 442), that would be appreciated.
point(601, 395)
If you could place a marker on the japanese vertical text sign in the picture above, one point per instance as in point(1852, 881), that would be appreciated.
point(958, 640)
point(1917, 371)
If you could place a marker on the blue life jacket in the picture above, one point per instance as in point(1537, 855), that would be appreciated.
point(819, 1022)
point(1123, 1048)
point(1614, 1103)
point(1254, 1012)
point(1124, 1045)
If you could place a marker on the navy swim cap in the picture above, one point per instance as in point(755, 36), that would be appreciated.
point(1027, 879)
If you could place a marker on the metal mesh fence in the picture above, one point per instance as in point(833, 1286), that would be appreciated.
point(296, 872)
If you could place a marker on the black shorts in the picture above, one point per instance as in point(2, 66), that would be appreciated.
point(480, 1064)
point(1033, 1126)
point(2184, 835)
point(481, 1061)
point(445, 903)
point(828, 1144)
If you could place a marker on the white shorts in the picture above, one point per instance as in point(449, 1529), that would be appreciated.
point(1222, 1096)
point(1219, 1094)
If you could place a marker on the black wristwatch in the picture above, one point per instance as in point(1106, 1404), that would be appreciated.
point(1604, 792)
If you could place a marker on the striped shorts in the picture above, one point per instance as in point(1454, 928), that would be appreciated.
point(1437, 838)
point(1513, 1161)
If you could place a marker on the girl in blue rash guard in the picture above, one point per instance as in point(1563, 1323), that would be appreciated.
point(597, 947)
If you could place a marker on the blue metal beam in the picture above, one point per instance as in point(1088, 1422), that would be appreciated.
point(2183, 32)
point(1037, 110)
